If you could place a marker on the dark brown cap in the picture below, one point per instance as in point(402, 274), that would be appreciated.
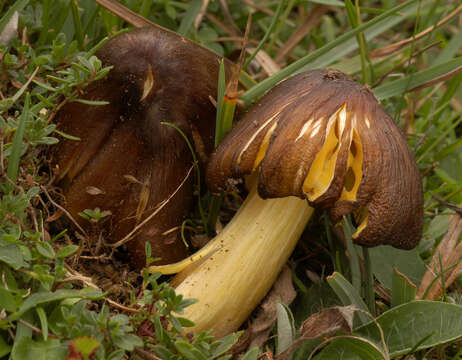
point(126, 152)
point(324, 137)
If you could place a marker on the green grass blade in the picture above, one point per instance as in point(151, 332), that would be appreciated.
point(369, 281)
point(46, 13)
point(348, 295)
point(402, 290)
point(220, 95)
point(79, 34)
point(353, 256)
point(415, 80)
point(253, 93)
point(17, 6)
point(450, 49)
point(188, 19)
point(145, 8)
point(13, 165)
point(267, 33)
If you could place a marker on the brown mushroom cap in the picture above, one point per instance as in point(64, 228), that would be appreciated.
point(126, 152)
point(324, 137)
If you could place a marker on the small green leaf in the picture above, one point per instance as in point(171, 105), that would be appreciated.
point(128, 341)
point(285, 328)
point(83, 347)
point(407, 262)
point(403, 290)
point(252, 354)
point(28, 349)
point(43, 297)
point(43, 321)
point(185, 322)
point(225, 344)
point(7, 300)
point(348, 295)
point(188, 19)
point(351, 348)
point(66, 251)
point(5, 349)
point(13, 165)
point(11, 254)
point(45, 249)
point(189, 351)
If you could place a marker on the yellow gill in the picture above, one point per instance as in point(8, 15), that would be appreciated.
point(354, 172)
point(361, 217)
point(322, 169)
point(264, 146)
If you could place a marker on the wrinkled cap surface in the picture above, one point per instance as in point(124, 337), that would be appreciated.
point(324, 137)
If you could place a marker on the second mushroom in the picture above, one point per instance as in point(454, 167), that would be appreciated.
point(319, 136)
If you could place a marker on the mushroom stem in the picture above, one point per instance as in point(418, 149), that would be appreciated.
point(241, 263)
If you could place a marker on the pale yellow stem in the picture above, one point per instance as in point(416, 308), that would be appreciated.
point(247, 256)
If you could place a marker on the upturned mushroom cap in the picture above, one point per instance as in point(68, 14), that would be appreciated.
point(324, 137)
point(126, 152)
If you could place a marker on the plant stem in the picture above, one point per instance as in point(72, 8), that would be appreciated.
point(369, 281)
point(242, 263)
point(353, 256)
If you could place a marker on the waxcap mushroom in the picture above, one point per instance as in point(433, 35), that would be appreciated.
point(324, 137)
point(127, 152)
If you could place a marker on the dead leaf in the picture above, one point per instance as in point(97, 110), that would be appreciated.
point(446, 261)
point(324, 323)
point(92, 190)
point(10, 30)
point(328, 321)
point(55, 216)
point(283, 292)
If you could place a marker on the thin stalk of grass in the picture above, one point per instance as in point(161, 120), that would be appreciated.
point(451, 89)
point(46, 7)
point(417, 80)
point(221, 88)
point(252, 94)
point(330, 241)
point(145, 8)
point(17, 6)
point(448, 150)
point(438, 277)
point(267, 33)
point(16, 150)
point(353, 258)
point(442, 277)
point(187, 21)
point(281, 23)
point(353, 16)
point(408, 67)
point(214, 211)
point(196, 167)
point(369, 281)
point(92, 20)
point(183, 227)
point(442, 136)
point(368, 76)
point(435, 4)
point(79, 34)
point(458, 355)
point(226, 107)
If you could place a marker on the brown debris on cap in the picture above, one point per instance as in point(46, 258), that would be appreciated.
point(324, 137)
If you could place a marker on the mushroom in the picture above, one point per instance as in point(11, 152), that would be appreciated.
point(127, 161)
point(318, 136)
